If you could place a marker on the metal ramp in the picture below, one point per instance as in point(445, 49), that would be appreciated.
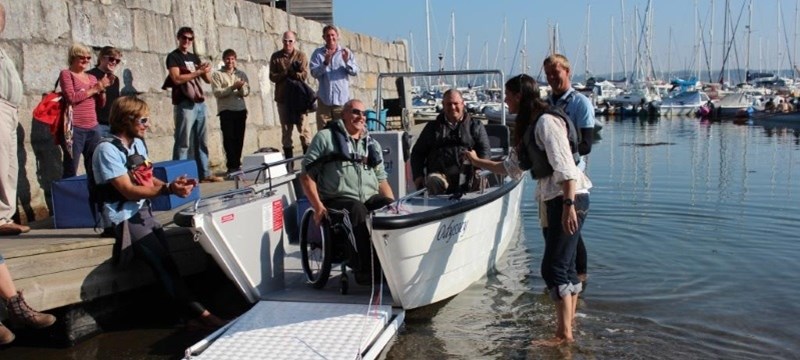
point(243, 230)
point(302, 330)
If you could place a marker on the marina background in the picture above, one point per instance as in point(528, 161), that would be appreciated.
point(498, 26)
point(692, 255)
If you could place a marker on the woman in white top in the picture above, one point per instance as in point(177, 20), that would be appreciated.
point(546, 144)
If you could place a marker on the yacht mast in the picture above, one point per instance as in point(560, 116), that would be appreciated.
point(624, 45)
point(711, 44)
point(586, 50)
point(524, 65)
point(749, 32)
point(428, 27)
point(613, 45)
point(453, 36)
point(697, 39)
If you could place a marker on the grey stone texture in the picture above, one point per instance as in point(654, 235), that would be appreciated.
point(39, 33)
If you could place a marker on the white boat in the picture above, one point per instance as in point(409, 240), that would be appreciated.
point(683, 103)
point(432, 248)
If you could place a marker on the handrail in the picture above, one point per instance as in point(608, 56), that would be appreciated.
point(379, 104)
point(265, 167)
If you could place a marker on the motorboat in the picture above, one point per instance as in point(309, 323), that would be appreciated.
point(433, 247)
point(683, 103)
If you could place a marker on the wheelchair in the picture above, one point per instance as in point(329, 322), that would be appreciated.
point(322, 246)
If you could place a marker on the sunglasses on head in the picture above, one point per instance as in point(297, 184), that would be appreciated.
point(113, 60)
point(190, 38)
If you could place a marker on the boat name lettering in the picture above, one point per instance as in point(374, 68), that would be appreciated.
point(451, 231)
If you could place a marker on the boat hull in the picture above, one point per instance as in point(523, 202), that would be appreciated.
point(431, 255)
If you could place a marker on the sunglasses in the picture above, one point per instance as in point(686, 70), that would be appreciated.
point(113, 60)
point(87, 58)
point(190, 38)
point(143, 121)
point(358, 112)
point(288, 41)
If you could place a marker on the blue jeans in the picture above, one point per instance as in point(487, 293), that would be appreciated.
point(558, 262)
point(105, 130)
point(190, 135)
point(83, 143)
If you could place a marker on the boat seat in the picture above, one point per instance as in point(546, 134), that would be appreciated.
point(499, 139)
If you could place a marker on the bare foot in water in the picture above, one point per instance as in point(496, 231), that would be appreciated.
point(552, 342)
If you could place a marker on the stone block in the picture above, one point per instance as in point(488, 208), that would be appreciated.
point(163, 7)
point(199, 15)
point(260, 46)
point(233, 38)
point(42, 65)
point(142, 72)
point(36, 20)
point(101, 25)
point(250, 16)
point(153, 32)
point(280, 21)
point(225, 13)
point(251, 69)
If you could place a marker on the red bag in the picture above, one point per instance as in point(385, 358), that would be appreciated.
point(53, 112)
point(49, 109)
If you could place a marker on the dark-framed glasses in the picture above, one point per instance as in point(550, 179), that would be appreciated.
point(358, 112)
point(113, 60)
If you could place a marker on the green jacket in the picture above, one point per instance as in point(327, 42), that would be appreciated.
point(340, 178)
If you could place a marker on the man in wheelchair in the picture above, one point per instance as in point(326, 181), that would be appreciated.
point(343, 170)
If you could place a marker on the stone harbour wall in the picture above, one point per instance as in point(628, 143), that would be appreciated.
point(39, 33)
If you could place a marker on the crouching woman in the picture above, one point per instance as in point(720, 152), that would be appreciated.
point(546, 144)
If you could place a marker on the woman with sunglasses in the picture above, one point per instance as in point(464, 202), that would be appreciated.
point(107, 61)
point(83, 92)
point(546, 144)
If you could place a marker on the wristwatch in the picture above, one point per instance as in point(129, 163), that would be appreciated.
point(568, 202)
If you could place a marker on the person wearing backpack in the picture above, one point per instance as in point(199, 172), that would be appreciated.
point(581, 111)
point(124, 182)
point(546, 143)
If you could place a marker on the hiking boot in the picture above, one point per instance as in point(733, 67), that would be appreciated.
point(6, 336)
point(11, 229)
point(20, 314)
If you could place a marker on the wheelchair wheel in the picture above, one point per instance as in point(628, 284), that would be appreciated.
point(315, 250)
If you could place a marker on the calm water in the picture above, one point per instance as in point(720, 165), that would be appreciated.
point(693, 254)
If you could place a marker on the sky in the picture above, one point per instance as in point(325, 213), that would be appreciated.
point(479, 27)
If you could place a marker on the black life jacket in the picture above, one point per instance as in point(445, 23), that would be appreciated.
point(100, 194)
point(447, 155)
point(344, 151)
point(533, 158)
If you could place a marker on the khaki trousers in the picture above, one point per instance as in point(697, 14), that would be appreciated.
point(9, 164)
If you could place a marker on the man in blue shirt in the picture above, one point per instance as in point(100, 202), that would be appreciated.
point(332, 65)
point(580, 110)
point(123, 182)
